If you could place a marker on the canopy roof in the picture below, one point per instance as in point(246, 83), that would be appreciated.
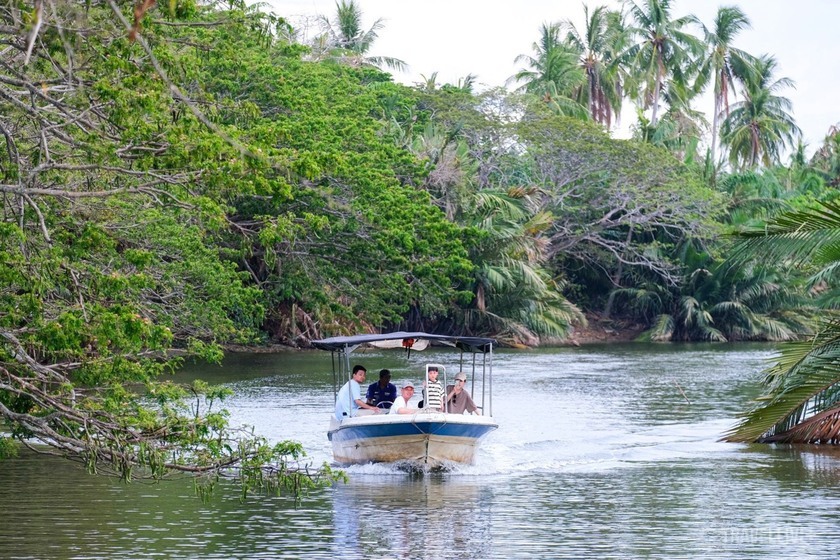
point(465, 343)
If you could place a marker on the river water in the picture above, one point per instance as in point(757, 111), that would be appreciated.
point(602, 452)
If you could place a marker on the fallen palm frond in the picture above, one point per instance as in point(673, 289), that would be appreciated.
point(822, 428)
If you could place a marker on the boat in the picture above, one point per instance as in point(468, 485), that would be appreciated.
point(428, 439)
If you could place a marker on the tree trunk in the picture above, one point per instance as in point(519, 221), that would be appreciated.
point(656, 90)
point(715, 119)
point(616, 280)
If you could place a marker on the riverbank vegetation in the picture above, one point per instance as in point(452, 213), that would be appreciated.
point(181, 176)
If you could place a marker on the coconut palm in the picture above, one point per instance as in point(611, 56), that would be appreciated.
point(753, 197)
point(599, 45)
point(760, 127)
point(826, 159)
point(346, 40)
point(723, 64)
point(681, 128)
point(802, 398)
point(664, 51)
point(552, 72)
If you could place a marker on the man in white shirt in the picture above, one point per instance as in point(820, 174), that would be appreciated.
point(349, 398)
point(400, 405)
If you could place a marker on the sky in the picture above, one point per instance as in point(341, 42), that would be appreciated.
point(459, 37)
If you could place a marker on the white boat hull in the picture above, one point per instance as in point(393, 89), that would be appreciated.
point(428, 439)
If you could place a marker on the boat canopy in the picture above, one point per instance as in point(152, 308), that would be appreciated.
point(476, 345)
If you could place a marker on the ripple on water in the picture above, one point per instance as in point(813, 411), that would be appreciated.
point(601, 452)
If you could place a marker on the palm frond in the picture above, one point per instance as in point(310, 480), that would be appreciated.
point(822, 428)
point(780, 410)
point(797, 236)
point(662, 330)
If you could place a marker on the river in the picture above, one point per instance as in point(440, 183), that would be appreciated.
point(602, 452)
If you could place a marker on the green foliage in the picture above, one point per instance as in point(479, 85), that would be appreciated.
point(718, 302)
point(515, 296)
point(345, 40)
point(804, 382)
point(114, 246)
point(8, 448)
point(348, 240)
point(663, 55)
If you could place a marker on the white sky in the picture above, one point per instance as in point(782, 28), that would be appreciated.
point(459, 37)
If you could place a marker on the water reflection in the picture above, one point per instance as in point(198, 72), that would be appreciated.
point(420, 516)
point(792, 464)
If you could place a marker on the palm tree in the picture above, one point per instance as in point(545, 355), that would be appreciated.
point(724, 64)
point(802, 398)
point(599, 46)
point(552, 72)
point(664, 51)
point(345, 38)
point(826, 159)
point(514, 293)
point(760, 126)
point(681, 128)
point(717, 302)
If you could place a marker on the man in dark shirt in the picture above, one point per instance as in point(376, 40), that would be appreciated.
point(383, 392)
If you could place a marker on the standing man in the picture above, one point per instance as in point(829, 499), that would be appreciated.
point(349, 398)
point(458, 398)
point(382, 393)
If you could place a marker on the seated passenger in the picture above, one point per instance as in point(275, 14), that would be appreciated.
point(458, 398)
point(349, 399)
point(401, 404)
point(382, 393)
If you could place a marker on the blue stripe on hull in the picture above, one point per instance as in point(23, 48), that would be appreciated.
point(475, 431)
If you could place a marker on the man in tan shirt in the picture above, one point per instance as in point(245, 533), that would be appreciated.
point(458, 399)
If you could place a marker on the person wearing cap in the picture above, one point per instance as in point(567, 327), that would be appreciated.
point(382, 393)
point(433, 391)
point(400, 405)
point(458, 399)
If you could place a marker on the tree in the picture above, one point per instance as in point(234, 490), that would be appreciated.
point(760, 127)
point(347, 41)
point(664, 51)
point(598, 47)
point(681, 128)
point(515, 294)
point(512, 291)
point(724, 64)
point(801, 403)
point(614, 205)
point(717, 302)
point(114, 201)
point(552, 73)
point(826, 160)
